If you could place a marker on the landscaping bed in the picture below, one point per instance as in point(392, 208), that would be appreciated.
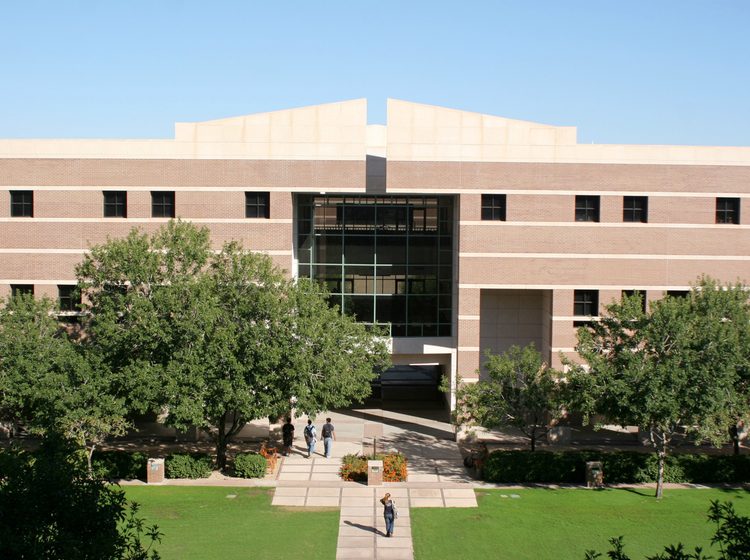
point(620, 467)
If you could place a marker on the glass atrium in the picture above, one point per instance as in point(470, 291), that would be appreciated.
point(387, 260)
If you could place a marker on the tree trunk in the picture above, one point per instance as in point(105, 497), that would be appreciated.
point(89, 457)
point(734, 432)
point(221, 443)
point(660, 476)
point(533, 440)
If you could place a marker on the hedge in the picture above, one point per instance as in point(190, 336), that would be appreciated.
point(194, 465)
point(250, 465)
point(354, 467)
point(120, 464)
point(619, 467)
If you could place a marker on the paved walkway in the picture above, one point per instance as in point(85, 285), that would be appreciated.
point(437, 478)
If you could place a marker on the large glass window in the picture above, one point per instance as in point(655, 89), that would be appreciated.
point(386, 260)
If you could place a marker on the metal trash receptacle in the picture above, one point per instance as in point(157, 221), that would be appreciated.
point(594, 474)
point(374, 473)
point(155, 471)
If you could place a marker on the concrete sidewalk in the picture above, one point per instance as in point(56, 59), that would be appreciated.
point(436, 478)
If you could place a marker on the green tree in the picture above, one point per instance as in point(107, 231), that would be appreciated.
point(225, 337)
point(732, 536)
point(50, 508)
point(50, 384)
point(520, 391)
point(669, 371)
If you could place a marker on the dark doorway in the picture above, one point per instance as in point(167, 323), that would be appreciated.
point(408, 383)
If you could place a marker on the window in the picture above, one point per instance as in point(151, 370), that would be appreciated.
point(21, 289)
point(493, 207)
point(115, 204)
point(22, 204)
point(727, 210)
point(256, 205)
point(585, 303)
point(162, 204)
point(68, 297)
point(678, 293)
point(587, 208)
point(635, 209)
point(640, 294)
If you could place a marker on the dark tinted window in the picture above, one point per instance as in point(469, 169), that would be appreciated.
point(162, 204)
point(635, 209)
point(256, 205)
point(587, 208)
point(22, 204)
point(115, 204)
point(493, 207)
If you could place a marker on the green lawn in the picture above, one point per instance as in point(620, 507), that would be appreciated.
point(202, 523)
point(563, 524)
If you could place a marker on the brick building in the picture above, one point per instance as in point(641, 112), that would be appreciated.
point(459, 231)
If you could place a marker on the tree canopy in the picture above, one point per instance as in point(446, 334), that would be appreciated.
point(672, 370)
point(520, 391)
point(49, 383)
point(50, 507)
point(219, 338)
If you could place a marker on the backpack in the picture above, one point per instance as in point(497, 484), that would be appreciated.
point(326, 431)
point(309, 432)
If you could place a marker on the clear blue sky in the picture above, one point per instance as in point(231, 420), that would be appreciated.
point(629, 71)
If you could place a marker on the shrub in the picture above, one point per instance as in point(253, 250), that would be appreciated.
point(626, 467)
point(250, 465)
point(194, 465)
point(354, 467)
point(119, 464)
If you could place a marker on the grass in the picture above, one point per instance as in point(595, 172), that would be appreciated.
point(562, 524)
point(202, 522)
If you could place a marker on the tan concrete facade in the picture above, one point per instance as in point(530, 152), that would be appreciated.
point(515, 280)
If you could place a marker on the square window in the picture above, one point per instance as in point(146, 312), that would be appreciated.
point(256, 205)
point(678, 293)
point(21, 289)
point(587, 208)
point(727, 210)
point(115, 204)
point(22, 204)
point(585, 303)
point(493, 207)
point(68, 297)
point(162, 204)
point(635, 209)
point(639, 293)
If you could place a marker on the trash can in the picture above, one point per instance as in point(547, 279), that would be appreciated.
point(594, 474)
point(374, 473)
point(155, 471)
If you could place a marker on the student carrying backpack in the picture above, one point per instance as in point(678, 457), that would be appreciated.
point(310, 438)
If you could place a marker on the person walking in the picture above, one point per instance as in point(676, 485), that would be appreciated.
point(310, 438)
point(329, 435)
point(390, 513)
point(287, 435)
